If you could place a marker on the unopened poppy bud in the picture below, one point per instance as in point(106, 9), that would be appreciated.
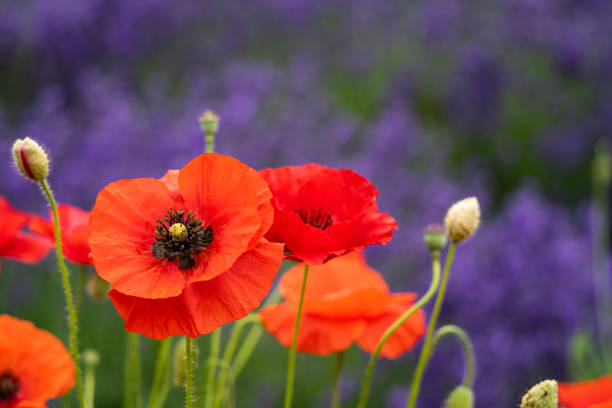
point(462, 219)
point(96, 288)
point(209, 122)
point(461, 397)
point(30, 159)
point(435, 237)
point(91, 358)
point(178, 232)
point(542, 395)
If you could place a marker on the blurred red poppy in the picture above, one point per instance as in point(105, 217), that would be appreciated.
point(73, 225)
point(321, 213)
point(587, 394)
point(34, 365)
point(16, 244)
point(345, 301)
point(186, 254)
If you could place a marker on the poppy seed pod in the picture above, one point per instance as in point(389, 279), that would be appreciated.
point(209, 122)
point(30, 159)
point(462, 219)
point(435, 237)
point(541, 395)
point(460, 397)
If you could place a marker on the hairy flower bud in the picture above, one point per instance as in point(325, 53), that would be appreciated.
point(460, 397)
point(209, 122)
point(96, 288)
point(435, 237)
point(542, 395)
point(30, 159)
point(91, 358)
point(462, 219)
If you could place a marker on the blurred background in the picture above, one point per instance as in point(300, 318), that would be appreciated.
point(432, 101)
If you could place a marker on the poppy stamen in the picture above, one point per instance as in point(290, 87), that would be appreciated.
point(180, 236)
point(318, 218)
point(9, 385)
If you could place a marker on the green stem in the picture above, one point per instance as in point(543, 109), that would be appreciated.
point(251, 339)
point(190, 393)
point(230, 349)
point(215, 346)
point(72, 314)
point(336, 387)
point(90, 385)
point(433, 287)
point(131, 379)
point(210, 142)
point(292, 351)
point(426, 351)
point(161, 377)
point(468, 350)
point(80, 287)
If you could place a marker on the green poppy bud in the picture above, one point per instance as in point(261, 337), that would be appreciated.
point(542, 395)
point(460, 397)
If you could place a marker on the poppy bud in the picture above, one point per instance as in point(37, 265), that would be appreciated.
point(209, 122)
point(30, 159)
point(542, 395)
point(461, 397)
point(96, 287)
point(462, 219)
point(435, 237)
point(91, 358)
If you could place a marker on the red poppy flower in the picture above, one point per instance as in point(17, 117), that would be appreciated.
point(73, 225)
point(185, 254)
point(345, 301)
point(587, 394)
point(16, 244)
point(321, 213)
point(34, 365)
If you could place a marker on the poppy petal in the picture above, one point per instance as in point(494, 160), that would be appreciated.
point(11, 220)
point(317, 335)
point(204, 306)
point(404, 338)
point(344, 287)
point(121, 237)
point(286, 182)
point(583, 394)
point(219, 189)
point(27, 248)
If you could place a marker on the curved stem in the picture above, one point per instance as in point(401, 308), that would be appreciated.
point(131, 385)
point(190, 352)
point(251, 339)
point(72, 315)
point(229, 354)
point(161, 377)
point(292, 352)
point(468, 350)
point(433, 286)
point(425, 352)
point(215, 345)
point(336, 388)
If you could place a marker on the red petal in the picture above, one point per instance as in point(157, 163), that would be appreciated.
point(344, 287)
point(204, 306)
point(404, 338)
point(121, 236)
point(222, 192)
point(286, 182)
point(26, 248)
point(317, 335)
point(586, 393)
point(11, 220)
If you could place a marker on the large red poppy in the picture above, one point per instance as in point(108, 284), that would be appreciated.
point(587, 394)
point(73, 225)
point(345, 301)
point(321, 213)
point(34, 365)
point(186, 254)
point(16, 244)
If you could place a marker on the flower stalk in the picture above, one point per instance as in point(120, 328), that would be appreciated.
point(215, 345)
point(468, 350)
point(336, 403)
point(292, 351)
point(190, 392)
point(131, 386)
point(161, 377)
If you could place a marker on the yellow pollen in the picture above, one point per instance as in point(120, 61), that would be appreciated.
point(178, 232)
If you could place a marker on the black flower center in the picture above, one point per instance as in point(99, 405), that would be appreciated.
point(180, 237)
point(318, 218)
point(9, 385)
